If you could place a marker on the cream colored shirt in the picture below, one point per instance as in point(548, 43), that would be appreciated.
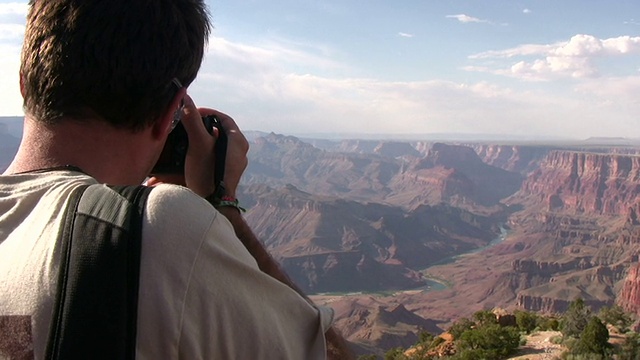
point(202, 295)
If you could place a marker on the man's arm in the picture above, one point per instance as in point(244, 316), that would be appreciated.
point(200, 179)
point(337, 347)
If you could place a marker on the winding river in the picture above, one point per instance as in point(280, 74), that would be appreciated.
point(435, 284)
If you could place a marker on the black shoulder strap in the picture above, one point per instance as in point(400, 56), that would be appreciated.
point(95, 313)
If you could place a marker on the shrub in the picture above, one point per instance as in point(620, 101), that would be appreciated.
point(437, 341)
point(460, 326)
point(425, 337)
point(575, 319)
point(616, 316)
point(527, 321)
point(485, 317)
point(556, 340)
point(548, 323)
point(368, 357)
point(583, 357)
point(594, 339)
point(492, 341)
point(630, 349)
point(395, 354)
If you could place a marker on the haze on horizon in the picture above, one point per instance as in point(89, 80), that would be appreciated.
point(568, 69)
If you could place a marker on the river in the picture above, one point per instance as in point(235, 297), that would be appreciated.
point(435, 284)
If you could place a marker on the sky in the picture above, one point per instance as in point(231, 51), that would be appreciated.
point(530, 68)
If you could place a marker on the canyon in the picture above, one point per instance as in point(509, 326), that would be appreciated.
point(400, 237)
point(403, 211)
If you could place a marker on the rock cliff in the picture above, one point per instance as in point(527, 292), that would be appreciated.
point(329, 244)
point(629, 296)
point(456, 175)
point(581, 207)
point(376, 325)
point(586, 183)
point(518, 158)
point(374, 215)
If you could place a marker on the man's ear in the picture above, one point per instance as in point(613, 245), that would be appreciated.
point(162, 127)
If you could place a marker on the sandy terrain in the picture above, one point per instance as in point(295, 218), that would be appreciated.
point(540, 347)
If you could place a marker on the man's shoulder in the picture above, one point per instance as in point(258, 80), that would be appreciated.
point(176, 197)
point(177, 206)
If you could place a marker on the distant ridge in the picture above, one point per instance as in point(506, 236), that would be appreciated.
point(602, 140)
point(10, 134)
point(14, 124)
point(11, 125)
point(430, 137)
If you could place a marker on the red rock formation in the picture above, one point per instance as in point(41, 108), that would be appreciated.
point(376, 325)
point(518, 158)
point(586, 183)
point(328, 244)
point(629, 296)
point(455, 174)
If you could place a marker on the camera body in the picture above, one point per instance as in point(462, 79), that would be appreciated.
point(174, 153)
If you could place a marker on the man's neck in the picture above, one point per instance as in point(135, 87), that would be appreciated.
point(110, 155)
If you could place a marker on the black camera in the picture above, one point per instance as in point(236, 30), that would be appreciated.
point(173, 154)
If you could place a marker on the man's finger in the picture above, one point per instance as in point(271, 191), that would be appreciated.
point(192, 121)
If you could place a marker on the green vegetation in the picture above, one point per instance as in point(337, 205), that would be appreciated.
point(630, 349)
point(617, 317)
point(575, 319)
point(482, 337)
point(594, 339)
point(460, 326)
point(587, 338)
point(487, 341)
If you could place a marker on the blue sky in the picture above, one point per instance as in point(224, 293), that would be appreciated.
point(535, 68)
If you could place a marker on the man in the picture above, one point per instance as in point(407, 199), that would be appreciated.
point(103, 84)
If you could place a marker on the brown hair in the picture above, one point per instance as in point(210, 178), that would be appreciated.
point(114, 59)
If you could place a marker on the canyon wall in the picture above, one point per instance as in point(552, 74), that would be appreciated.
point(517, 158)
point(584, 206)
point(586, 183)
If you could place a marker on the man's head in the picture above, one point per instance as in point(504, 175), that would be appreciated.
point(110, 59)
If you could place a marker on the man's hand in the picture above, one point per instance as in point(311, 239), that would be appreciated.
point(200, 161)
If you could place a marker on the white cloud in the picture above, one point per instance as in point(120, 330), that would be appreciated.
point(291, 88)
point(13, 8)
point(12, 21)
point(573, 58)
point(274, 52)
point(526, 11)
point(9, 86)
point(613, 89)
point(11, 32)
point(406, 35)
point(467, 19)
point(250, 83)
point(12, 25)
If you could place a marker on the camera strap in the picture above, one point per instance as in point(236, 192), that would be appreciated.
point(95, 311)
point(221, 159)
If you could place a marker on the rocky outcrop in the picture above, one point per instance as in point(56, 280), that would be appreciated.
point(586, 183)
point(348, 271)
point(277, 160)
point(390, 172)
point(396, 149)
point(454, 174)
point(629, 296)
point(377, 326)
point(558, 284)
point(518, 158)
point(328, 244)
point(544, 268)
